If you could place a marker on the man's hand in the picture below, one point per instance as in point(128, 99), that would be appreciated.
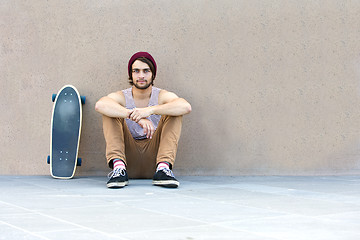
point(148, 127)
point(139, 113)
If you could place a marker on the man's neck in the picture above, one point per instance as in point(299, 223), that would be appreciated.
point(141, 94)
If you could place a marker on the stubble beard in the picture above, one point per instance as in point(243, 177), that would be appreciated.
point(143, 87)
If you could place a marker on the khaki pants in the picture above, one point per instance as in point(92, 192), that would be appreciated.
point(141, 156)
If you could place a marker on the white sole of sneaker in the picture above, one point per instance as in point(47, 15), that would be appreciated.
point(117, 184)
point(166, 183)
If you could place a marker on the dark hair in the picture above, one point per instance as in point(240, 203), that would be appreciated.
point(148, 62)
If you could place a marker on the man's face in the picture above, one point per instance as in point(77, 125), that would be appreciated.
point(141, 75)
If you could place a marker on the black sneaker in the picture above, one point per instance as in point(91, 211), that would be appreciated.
point(165, 178)
point(118, 179)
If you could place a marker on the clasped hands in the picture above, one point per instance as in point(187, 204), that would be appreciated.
point(139, 115)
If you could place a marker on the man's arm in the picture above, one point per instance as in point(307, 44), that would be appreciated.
point(112, 105)
point(169, 104)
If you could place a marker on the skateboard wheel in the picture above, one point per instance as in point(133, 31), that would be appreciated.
point(79, 160)
point(83, 99)
point(53, 97)
point(48, 159)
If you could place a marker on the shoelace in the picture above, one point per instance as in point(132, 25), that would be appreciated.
point(116, 173)
point(168, 172)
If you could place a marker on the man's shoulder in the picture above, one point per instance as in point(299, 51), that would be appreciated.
point(166, 96)
point(126, 90)
point(165, 92)
point(162, 91)
point(117, 93)
point(121, 92)
point(118, 96)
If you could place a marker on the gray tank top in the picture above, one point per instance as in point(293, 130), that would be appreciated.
point(136, 131)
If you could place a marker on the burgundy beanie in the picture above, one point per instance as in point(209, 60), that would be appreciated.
point(139, 55)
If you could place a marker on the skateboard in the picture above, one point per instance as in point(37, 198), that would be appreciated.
point(65, 132)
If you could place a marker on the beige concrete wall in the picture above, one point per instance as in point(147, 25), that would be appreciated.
point(274, 85)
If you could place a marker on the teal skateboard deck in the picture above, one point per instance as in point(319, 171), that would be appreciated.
point(65, 132)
